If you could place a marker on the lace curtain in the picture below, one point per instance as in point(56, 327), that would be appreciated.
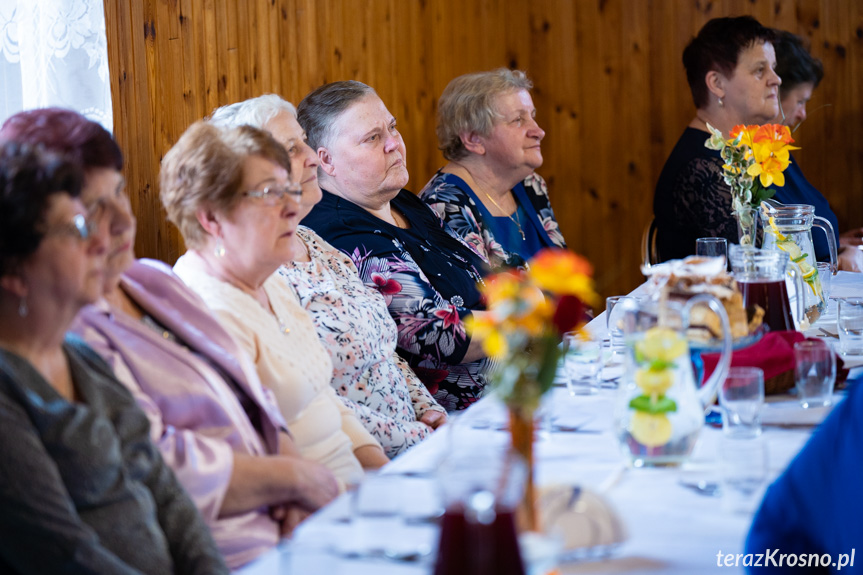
point(54, 53)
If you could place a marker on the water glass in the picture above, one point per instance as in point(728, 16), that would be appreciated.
point(376, 513)
point(814, 372)
point(741, 398)
point(825, 274)
point(743, 471)
point(851, 326)
point(712, 247)
point(614, 319)
point(583, 363)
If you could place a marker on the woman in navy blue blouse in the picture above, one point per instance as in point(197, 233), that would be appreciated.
point(488, 192)
point(427, 275)
point(801, 74)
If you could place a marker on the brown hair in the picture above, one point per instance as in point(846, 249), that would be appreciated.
point(205, 169)
point(717, 48)
point(467, 105)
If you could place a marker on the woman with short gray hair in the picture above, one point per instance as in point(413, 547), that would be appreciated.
point(425, 273)
point(488, 192)
point(351, 319)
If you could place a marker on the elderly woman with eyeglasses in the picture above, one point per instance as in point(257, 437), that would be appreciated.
point(216, 426)
point(230, 194)
point(84, 489)
point(489, 192)
point(801, 74)
point(427, 275)
point(352, 320)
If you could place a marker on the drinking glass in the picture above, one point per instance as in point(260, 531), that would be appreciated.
point(583, 362)
point(814, 372)
point(614, 320)
point(741, 397)
point(825, 274)
point(712, 247)
point(851, 326)
point(743, 469)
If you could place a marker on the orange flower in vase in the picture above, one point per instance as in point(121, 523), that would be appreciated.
point(529, 312)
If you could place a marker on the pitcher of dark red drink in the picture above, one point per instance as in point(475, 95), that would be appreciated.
point(761, 275)
point(478, 534)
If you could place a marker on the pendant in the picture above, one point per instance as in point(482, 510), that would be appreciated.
point(521, 231)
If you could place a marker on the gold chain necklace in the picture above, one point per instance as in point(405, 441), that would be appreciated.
point(516, 220)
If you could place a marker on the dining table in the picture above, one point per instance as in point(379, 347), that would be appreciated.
point(668, 519)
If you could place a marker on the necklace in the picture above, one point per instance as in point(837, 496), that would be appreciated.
point(516, 220)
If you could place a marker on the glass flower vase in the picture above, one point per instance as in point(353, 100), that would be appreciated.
point(747, 225)
point(521, 425)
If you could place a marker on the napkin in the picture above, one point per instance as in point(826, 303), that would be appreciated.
point(774, 354)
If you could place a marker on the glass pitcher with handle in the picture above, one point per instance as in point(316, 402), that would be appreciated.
point(660, 409)
point(789, 228)
point(761, 278)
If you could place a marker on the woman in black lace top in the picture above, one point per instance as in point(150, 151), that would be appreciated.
point(730, 70)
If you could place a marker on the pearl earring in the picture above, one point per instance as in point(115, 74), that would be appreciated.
point(721, 104)
point(23, 310)
point(220, 248)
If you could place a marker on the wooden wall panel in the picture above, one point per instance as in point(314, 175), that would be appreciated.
point(609, 89)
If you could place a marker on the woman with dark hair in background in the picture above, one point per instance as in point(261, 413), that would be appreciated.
point(730, 70)
point(84, 489)
point(801, 74)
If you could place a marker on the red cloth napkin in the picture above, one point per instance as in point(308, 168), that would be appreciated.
point(774, 353)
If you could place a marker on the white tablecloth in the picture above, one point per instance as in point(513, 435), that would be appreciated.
point(671, 528)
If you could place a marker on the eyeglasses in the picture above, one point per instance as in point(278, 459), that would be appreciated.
point(274, 195)
point(80, 228)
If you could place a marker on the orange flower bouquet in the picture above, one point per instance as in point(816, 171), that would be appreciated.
point(755, 159)
point(528, 313)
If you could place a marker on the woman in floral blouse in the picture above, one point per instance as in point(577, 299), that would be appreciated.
point(489, 193)
point(351, 319)
point(426, 274)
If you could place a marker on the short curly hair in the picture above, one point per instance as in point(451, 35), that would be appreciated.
point(204, 169)
point(252, 112)
point(717, 47)
point(29, 177)
point(794, 64)
point(467, 105)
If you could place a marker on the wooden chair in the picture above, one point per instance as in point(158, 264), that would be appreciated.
point(649, 250)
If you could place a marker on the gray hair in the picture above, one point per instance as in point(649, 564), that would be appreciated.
point(467, 105)
point(320, 109)
point(252, 112)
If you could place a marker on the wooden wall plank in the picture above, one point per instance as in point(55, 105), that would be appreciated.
point(610, 89)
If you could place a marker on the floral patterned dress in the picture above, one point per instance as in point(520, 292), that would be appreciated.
point(457, 204)
point(428, 278)
point(355, 327)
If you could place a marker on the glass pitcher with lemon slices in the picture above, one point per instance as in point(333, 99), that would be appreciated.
point(660, 409)
point(789, 228)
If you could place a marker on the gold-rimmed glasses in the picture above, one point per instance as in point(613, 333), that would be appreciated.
point(80, 228)
point(275, 195)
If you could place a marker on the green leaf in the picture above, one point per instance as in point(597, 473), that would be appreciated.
point(646, 404)
point(661, 365)
point(801, 258)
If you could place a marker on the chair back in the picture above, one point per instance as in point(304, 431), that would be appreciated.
point(649, 250)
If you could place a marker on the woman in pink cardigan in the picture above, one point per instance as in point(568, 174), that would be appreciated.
point(213, 422)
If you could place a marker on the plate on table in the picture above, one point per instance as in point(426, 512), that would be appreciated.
point(715, 346)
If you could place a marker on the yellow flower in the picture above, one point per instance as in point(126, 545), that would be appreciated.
point(495, 345)
point(771, 147)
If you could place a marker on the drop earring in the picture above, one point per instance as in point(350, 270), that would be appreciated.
point(220, 248)
point(23, 310)
point(721, 104)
